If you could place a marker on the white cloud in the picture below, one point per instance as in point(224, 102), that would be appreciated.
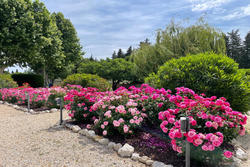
point(203, 5)
point(238, 13)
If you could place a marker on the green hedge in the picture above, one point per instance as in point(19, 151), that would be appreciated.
point(6, 81)
point(87, 80)
point(209, 73)
point(34, 80)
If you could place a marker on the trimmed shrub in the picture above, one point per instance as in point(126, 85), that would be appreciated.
point(207, 73)
point(6, 81)
point(87, 80)
point(34, 80)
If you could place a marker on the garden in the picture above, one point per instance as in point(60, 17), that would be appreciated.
point(138, 98)
point(147, 118)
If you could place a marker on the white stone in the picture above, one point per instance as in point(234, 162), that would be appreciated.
point(126, 151)
point(117, 146)
point(149, 162)
point(53, 110)
point(135, 156)
point(143, 159)
point(1, 102)
point(111, 145)
point(90, 134)
point(104, 141)
point(75, 128)
point(68, 125)
point(242, 155)
point(160, 164)
point(83, 132)
point(16, 107)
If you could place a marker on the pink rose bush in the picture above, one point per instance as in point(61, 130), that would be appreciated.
point(79, 101)
point(212, 121)
point(118, 112)
point(38, 96)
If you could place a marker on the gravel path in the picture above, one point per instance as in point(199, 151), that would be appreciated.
point(35, 141)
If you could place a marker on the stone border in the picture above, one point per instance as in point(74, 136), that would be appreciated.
point(125, 151)
point(26, 110)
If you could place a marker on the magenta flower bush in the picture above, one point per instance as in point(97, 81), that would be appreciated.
point(212, 121)
point(79, 101)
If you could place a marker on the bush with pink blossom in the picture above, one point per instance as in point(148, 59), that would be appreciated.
point(212, 121)
point(118, 113)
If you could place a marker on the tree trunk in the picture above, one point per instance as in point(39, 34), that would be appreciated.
point(2, 69)
point(44, 76)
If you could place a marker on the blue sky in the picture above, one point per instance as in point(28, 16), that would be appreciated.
point(107, 25)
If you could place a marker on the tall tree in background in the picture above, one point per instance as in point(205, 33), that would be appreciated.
point(120, 54)
point(176, 41)
point(128, 53)
point(72, 48)
point(246, 57)
point(234, 46)
point(114, 56)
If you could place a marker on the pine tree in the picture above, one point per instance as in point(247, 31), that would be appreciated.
point(246, 57)
point(129, 51)
point(114, 56)
point(235, 48)
point(91, 58)
point(120, 54)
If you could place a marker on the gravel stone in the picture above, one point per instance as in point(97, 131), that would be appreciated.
point(35, 141)
point(149, 162)
point(75, 128)
point(242, 155)
point(135, 156)
point(117, 146)
point(143, 159)
point(104, 141)
point(111, 145)
point(53, 110)
point(126, 151)
point(90, 134)
point(83, 132)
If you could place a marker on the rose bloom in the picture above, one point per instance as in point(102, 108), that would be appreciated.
point(105, 123)
point(102, 126)
point(104, 132)
point(191, 134)
point(228, 154)
point(116, 123)
point(125, 128)
point(208, 123)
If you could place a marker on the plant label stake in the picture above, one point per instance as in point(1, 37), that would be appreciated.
point(28, 99)
point(185, 126)
point(59, 102)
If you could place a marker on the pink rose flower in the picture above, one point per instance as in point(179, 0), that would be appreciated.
point(104, 132)
point(228, 154)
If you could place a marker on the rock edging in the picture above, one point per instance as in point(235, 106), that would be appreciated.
point(125, 151)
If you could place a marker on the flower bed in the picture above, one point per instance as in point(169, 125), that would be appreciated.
point(213, 123)
point(39, 98)
point(128, 112)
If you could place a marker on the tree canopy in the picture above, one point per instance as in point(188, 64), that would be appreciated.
point(176, 41)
